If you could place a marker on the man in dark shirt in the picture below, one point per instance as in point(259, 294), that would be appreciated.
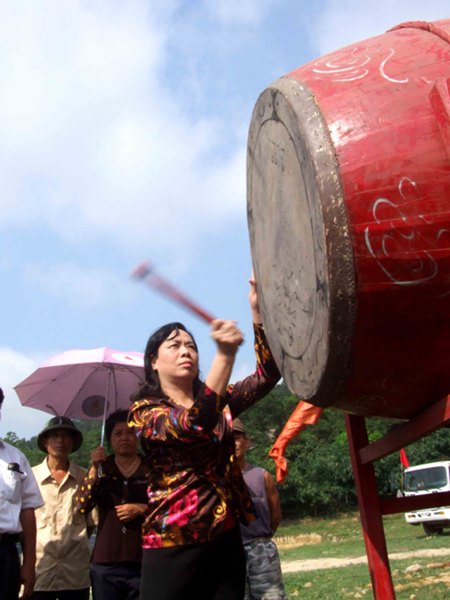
point(264, 579)
point(120, 493)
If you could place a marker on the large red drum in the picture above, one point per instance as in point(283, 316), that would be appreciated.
point(348, 187)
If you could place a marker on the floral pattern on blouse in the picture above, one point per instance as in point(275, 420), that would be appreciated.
point(196, 489)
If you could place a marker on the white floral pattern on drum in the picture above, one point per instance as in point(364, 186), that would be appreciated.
point(415, 239)
point(354, 64)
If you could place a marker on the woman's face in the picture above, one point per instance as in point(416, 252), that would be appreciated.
point(177, 358)
point(123, 440)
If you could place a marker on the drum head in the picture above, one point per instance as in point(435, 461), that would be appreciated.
point(299, 235)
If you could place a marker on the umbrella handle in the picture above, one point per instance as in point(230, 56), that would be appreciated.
point(105, 406)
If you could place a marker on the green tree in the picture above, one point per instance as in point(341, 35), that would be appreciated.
point(91, 431)
point(320, 479)
point(28, 447)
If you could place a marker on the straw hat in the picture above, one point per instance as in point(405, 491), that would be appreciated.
point(55, 424)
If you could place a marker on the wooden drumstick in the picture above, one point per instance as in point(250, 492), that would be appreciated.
point(146, 273)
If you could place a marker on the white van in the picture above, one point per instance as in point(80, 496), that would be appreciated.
point(423, 479)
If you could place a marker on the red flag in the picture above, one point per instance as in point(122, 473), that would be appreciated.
point(404, 459)
point(304, 414)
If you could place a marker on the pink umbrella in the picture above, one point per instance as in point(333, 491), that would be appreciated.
point(84, 384)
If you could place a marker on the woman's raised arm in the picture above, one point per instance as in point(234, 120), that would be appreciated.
point(228, 338)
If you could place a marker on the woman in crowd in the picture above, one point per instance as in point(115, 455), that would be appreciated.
point(196, 496)
point(120, 493)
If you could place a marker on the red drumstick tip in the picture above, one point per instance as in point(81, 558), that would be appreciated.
point(142, 270)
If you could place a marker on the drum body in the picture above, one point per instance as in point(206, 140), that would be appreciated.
point(348, 195)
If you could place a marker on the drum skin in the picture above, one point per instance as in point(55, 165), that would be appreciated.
point(348, 197)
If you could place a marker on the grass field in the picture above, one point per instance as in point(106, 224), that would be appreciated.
point(414, 577)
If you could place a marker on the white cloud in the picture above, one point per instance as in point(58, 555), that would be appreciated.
point(78, 287)
point(98, 136)
point(14, 367)
point(92, 139)
point(60, 59)
point(239, 12)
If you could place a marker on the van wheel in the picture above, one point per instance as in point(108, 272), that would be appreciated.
point(432, 529)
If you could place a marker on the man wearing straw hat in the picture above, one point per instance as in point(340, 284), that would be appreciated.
point(63, 550)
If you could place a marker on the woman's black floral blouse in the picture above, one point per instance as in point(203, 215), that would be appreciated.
point(196, 490)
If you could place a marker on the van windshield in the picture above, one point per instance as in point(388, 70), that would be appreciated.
point(431, 478)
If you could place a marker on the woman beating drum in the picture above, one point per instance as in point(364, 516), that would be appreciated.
point(197, 497)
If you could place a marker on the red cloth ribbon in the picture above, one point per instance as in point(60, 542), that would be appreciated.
point(304, 414)
point(404, 459)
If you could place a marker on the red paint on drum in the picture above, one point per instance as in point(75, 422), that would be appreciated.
point(384, 104)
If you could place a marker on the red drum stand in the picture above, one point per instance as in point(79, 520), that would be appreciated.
point(371, 506)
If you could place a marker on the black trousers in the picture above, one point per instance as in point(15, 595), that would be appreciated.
point(82, 594)
point(209, 571)
point(9, 571)
point(116, 581)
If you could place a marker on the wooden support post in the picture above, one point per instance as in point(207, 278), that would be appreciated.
point(370, 511)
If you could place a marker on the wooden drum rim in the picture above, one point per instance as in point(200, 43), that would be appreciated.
point(294, 192)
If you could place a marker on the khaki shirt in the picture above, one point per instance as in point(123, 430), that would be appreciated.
point(62, 549)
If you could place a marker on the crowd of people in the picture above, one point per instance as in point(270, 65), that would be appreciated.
point(176, 509)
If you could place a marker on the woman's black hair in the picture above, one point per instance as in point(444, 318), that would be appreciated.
point(151, 388)
point(119, 416)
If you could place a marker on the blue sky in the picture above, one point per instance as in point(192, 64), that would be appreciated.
point(123, 130)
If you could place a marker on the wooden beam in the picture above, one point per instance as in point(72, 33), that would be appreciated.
point(391, 506)
point(419, 426)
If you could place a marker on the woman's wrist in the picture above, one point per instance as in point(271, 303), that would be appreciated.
point(225, 357)
point(256, 317)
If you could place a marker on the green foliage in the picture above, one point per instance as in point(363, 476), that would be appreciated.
point(264, 422)
point(433, 447)
point(91, 431)
point(320, 479)
point(28, 447)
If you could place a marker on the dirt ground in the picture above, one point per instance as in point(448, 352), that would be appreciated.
point(330, 563)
